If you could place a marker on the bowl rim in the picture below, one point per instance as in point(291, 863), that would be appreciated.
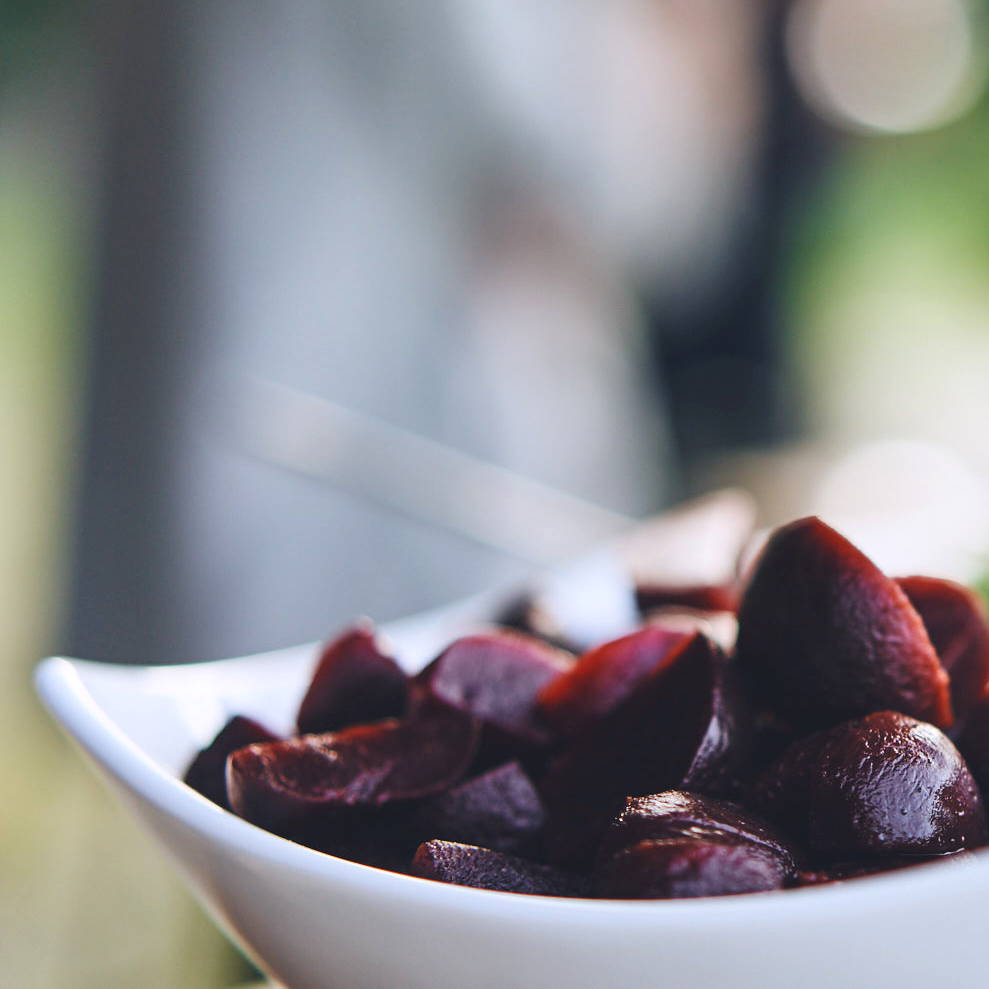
point(61, 684)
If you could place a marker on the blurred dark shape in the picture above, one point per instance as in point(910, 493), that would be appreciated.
point(22, 25)
point(294, 196)
point(123, 591)
point(722, 356)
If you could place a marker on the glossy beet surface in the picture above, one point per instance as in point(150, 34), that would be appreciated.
point(468, 865)
point(499, 809)
point(883, 785)
point(678, 729)
point(675, 868)
point(603, 677)
point(295, 786)
point(208, 771)
point(677, 814)
point(958, 627)
point(354, 682)
point(495, 676)
point(824, 636)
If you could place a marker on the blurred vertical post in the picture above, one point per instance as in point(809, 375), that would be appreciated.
point(724, 353)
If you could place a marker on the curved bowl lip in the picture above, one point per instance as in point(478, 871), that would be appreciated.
point(60, 682)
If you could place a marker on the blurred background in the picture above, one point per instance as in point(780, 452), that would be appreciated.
point(314, 309)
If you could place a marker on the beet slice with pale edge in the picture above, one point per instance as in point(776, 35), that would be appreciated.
point(298, 786)
point(495, 676)
point(354, 682)
point(824, 635)
point(604, 676)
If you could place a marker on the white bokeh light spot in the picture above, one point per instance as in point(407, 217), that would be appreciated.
point(892, 66)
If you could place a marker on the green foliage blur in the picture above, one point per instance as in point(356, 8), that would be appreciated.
point(886, 287)
point(22, 25)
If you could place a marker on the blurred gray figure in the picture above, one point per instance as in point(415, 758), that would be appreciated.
point(427, 214)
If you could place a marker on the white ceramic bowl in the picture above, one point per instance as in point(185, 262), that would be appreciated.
point(312, 920)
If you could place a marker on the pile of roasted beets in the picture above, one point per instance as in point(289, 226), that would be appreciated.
point(845, 732)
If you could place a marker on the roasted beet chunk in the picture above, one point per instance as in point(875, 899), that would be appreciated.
point(974, 745)
point(603, 677)
point(354, 682)
point(884, 785)
point(958, 627)
point(207, 772)
point(483, 868)
point(298, 787)
point(672, 868)
point(680, 728)
point(495, 676)
point(500, 809)
point(702, 597)
point(676, 815)
point(825, 636)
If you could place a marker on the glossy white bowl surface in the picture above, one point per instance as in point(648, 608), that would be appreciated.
point(312, 920)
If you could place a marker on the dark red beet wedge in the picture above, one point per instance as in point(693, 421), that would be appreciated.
point(299, 787)
point(483, 868)
point(675, 868)
point(702, 597)
point(958, 627)
point(495, 676)
point(825, 636)
point(603, 677)
point(974, 745)
point(354, 682)
point(880, 786)
point(676, 815)
point(207, 773)
point(500, 810)
point(680, 728)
